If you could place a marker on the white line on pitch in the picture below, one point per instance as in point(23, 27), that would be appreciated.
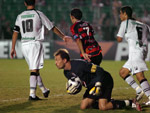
point(17, 99)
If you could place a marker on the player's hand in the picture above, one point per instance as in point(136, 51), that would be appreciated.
point(96, 89)
point(13, 52)
point(74, 85)
point(86, 57)
point(67, 39)
point(71, 89)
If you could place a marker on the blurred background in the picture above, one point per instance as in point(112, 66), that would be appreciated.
point(102, 14)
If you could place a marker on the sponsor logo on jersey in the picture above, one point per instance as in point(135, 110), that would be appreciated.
point(28, 16)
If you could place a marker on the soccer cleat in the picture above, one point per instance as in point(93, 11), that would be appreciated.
point(147, 103)
point(34, 99)
point(139, 95)
point(46, 93)
point(136, 105)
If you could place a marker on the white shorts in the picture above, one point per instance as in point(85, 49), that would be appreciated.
point(136, 63)
point(34, 54)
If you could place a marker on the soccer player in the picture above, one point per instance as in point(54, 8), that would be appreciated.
point(135, 33)
point(30, 24)
point(83, 34)
point(98, 82)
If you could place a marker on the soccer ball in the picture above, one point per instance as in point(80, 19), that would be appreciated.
point(74, 85)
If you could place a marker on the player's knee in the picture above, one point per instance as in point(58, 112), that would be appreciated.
point(102, 108)
point(82, 106)
point(85, 103)
point(122, 73)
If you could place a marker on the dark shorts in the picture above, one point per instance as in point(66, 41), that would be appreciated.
point(106, 90)
point(96, 59)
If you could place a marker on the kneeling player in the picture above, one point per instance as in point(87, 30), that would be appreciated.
point(98, 82)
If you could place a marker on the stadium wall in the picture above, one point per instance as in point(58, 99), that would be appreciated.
point(111, 50)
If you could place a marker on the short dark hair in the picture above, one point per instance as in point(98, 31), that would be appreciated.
point(128, 11)
point(30, 2)
point(77, 13)
point(63, 53)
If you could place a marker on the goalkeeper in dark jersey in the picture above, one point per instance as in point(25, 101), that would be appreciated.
point(98, 82)
point(83, 34)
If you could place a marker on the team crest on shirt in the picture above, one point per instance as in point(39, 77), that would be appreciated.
point(41, 64)
point(136, 68)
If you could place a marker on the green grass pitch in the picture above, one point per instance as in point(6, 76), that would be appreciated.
point(14, 89)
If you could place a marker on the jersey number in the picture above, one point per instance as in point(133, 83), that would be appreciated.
point(139, 31)
point(27, 25)
point(87, 29)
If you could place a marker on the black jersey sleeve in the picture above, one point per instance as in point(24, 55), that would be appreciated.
point(16, 28)
point(68, 74)
point(74, 31)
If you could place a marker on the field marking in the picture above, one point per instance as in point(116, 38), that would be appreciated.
point(122, 88)
point(18, 99)
point(58, 95)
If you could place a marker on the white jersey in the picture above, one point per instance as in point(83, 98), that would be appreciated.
point(135, 33)
point(31, 25)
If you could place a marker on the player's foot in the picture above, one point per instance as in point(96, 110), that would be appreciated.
point(46, 93)
point(139, 95)
point(136, 105)
point(147, 103)
point(34, 99)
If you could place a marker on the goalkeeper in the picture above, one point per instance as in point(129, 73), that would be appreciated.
point(98, 82)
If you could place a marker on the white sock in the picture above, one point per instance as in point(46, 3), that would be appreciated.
point(40, 84)
point(127, 102)
point(33, 84)
point(130, 80)
point(32, 93)
point(146, 87)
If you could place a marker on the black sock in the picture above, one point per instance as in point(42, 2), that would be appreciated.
point(118, 104)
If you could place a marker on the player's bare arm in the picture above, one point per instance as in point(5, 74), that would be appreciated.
point(14, 38)
point(61, 35)
point(85, 55)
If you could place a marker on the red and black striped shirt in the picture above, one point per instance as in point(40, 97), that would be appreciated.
point(83, 30)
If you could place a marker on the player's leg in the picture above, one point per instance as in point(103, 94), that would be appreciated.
point(86, 103)
point(34, 55)
point(144, 85)
point(27, 49)
point(120, 104)
point(33, 85)
point(113, 104)
point(34, 80)
point(40, 83)
point(39, 64)
point(104, 105)
point(124, 73)
point(105, 95)
point(105, 102)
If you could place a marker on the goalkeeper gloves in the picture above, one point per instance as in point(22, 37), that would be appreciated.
point(71, 87)
point(96, 89)
point(74, 85)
